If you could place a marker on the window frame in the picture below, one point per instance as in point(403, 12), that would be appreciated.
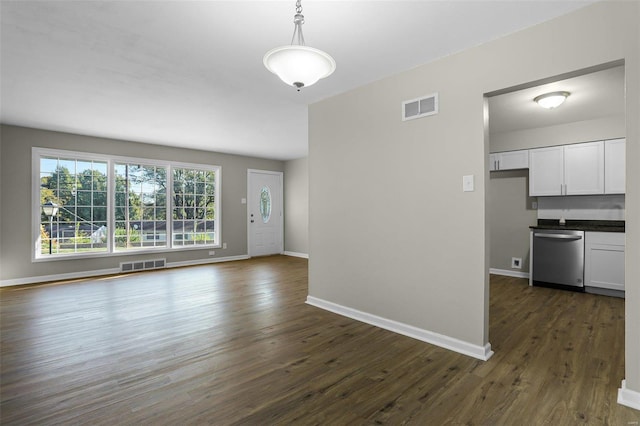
point(216, 194)
point(111, 160)
point(112, 207)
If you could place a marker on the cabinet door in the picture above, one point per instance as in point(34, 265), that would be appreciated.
point(493, 162)
point(584, 168)
point(546, 171)
point(614, 166)
point(512, 160)
point(604, 260)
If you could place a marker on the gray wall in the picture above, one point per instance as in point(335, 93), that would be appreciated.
point(296, 206)
point(510, 215)
point(391, 233)
point(15, 173)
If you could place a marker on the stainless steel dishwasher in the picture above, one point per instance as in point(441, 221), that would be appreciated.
point(558, 257)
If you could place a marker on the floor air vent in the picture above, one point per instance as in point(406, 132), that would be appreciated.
point(421, 107)
point(142, 265)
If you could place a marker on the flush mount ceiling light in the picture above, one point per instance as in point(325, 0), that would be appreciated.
point(551, 100)
point(296, 64)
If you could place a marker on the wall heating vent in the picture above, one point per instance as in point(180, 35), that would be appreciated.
point(142, 265)
point(421, 107)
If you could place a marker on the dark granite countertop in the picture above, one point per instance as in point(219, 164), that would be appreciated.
point(582, 225)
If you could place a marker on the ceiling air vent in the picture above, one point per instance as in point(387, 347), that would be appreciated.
point(421, 107)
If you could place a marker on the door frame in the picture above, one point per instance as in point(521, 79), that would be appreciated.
point(248, 214)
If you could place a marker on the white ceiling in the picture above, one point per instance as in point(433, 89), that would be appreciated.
point(594, 95)
point(190, 73)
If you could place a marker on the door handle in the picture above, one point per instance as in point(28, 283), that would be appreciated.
point(558, 236)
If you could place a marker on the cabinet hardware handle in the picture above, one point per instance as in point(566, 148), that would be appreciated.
point(558, 236)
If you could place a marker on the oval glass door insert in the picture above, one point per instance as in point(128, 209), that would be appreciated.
point(265, 204)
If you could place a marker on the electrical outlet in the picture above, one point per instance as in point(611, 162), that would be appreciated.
point(212, 253)
point(516, 263)
point(224, 245)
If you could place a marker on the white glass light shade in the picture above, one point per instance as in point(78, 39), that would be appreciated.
point(299, 66)
point(551, 100)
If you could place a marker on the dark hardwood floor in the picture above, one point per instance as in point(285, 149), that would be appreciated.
point(234, 343)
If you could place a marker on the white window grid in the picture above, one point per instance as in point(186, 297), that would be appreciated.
point(214, 237)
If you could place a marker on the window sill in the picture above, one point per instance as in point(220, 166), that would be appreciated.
point(127, 253)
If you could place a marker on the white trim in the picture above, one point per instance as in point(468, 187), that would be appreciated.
point(295, 254)
point(268, 172)
point(37, 153)
point(111, 271)
point(628, 397)
point(206, 261)
point(509, 273)
point(59, 277)
point(456, 345)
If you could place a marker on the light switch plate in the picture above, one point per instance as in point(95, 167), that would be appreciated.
point(467, 183)
point(243, 201)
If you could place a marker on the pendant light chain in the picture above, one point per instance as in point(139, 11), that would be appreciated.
point(298, 20)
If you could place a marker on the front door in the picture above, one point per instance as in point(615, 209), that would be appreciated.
point(264, 211)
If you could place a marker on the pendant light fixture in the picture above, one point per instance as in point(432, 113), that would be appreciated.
point(551, 100)
point(296, 64)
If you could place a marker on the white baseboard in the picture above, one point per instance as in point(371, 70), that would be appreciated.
point(628, 397)
point(509, 273)
point(206, 261)
point(466, 348)
point(58, 277)
point(110, 271)
point(295, 254)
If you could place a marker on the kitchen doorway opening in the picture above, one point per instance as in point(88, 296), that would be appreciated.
point(594, 110)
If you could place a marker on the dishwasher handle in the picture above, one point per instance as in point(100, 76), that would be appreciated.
point(559, 236)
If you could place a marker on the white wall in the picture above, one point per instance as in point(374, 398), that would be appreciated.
point(563, 134)
point(391, 232)
point(586, 207)
point(296, 206)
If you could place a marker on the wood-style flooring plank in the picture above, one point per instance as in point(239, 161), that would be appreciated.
point(235, 344)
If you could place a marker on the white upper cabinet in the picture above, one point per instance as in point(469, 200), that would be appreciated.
point(584, 168)
point(493, 162)
point(509, 160)
point(546, 171)
point(567, 170)
point(614, 166)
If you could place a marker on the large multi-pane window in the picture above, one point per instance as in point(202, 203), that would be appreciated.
point(194, 206)
point(140, 206)
point(78, 189)
point(115, 205)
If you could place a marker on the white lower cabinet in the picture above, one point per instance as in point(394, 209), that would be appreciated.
point(604, 260)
